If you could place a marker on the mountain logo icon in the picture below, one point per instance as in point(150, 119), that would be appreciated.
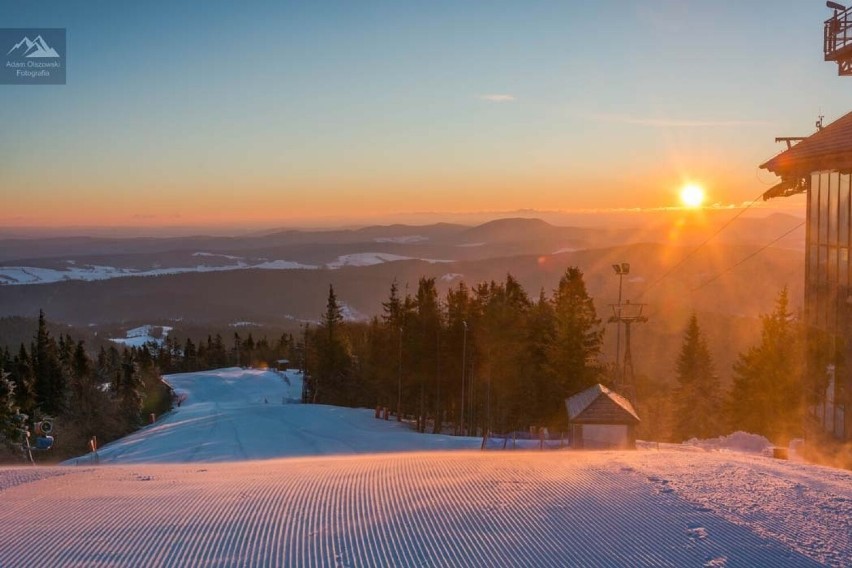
point(33, 48)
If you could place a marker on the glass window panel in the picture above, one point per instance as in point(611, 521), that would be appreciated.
point(833, 191)
point(822, 287)
point(813, 208)
point(843, 213)
point(843, 274)
point(812, 268)
point(831, 288)
point(811, 284)
point(823, 209)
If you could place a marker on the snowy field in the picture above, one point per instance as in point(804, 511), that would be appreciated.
point(237, 414)
point(208, 485)
point(24, 275)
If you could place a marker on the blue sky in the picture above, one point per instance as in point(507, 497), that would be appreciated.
point(215, 112)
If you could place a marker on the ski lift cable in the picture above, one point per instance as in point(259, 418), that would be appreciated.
point(699, 247)
point(752, 255)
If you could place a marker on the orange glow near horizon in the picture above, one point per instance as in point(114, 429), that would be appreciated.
point(348, 201)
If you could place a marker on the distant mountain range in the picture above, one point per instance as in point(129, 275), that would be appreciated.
point(280, 279)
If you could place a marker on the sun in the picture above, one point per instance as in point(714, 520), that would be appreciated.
point(692, 196)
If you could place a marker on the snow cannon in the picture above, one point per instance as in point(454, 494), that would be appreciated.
point(44, 443)
point(45, 427)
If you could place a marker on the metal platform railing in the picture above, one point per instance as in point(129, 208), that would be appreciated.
point(837, 40)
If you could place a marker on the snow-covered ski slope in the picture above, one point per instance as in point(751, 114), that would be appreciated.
point(211, 502)
point(247, 414)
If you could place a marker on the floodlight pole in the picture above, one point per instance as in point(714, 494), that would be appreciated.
point(620, 270)
point(399, 382)
point(633, 314)
point(464, 353)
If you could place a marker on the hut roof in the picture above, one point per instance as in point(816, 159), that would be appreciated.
point(599, 405)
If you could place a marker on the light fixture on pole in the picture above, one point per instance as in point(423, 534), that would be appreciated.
point(461, 407)
point(399, 382)
point(620, 270)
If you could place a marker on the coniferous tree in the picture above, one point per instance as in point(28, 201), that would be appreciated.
point(7, 405)
point(23, 378)
point(458, 350)
point(190, 356)
point(90, 410)
point(578, 336)
point(540, 388)
point(423, 333)
point(50, 380)
point(129, 393)
point(333, 361)
point(697, 397)
point(767, 395)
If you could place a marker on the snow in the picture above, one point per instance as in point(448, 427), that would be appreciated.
point(284, 265)
point(248, 414)
point(143, 335)
point(737, 442)
point(11, 275)
point(239, 476)
point(19, 275)
point(351, 314)
point(450, 276)
point(23, 275)
point(404, 240)
point(215, 255)
point(373, 258)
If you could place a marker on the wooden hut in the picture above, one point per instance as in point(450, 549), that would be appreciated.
point(601, 418)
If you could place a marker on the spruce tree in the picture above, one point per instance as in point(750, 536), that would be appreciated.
point(50, 383)
point(573, 357)
point(423, 336)
point(333, 362)
point(23, 377)
point(7, 403)
point(767, 395)
point(129, 393)
point(541, 385)
point(697, 398)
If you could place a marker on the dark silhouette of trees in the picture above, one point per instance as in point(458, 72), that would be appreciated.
point(767, 394)
point(697, 395)
point(521, 358)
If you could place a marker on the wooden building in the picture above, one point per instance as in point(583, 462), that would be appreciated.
point(821, 167)
point(601, 418)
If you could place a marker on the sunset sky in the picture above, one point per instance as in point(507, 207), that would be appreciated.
point(305, 113)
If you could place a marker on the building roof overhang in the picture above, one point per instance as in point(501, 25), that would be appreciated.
point(828, 149)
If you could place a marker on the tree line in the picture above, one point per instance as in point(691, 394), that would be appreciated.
point(486, 357)
point(106, 395)
point(111, 392)
point(482, 358)
point(770, 390)
point(491, 358)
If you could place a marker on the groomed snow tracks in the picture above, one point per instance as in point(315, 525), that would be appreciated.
point(414, 509)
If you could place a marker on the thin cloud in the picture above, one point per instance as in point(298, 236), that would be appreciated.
point(498, 98)
point(657, 122)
